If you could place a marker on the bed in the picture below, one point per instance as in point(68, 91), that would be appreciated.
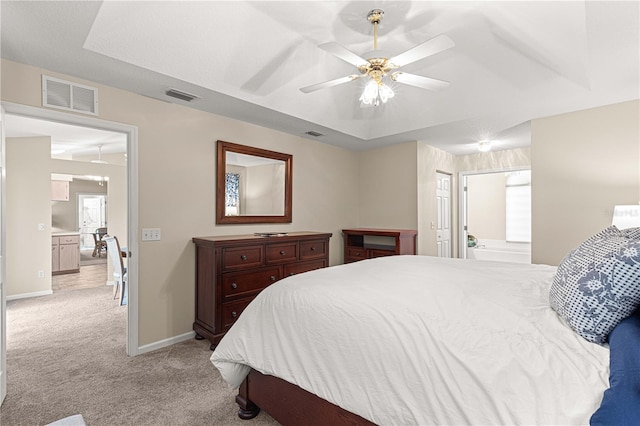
point(415, 340)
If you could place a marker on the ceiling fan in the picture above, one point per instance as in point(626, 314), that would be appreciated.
point(379, 68)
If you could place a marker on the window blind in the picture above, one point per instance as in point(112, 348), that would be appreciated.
point(518, 198)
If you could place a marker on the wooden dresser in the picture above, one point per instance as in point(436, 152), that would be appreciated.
point(232, 270)
point(367, 243)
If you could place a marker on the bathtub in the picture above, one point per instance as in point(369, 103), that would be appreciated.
point(501, 251)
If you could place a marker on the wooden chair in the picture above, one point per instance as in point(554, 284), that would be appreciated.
point(100, 245)
point(119, 271)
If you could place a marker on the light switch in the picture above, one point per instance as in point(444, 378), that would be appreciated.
point(150, 234)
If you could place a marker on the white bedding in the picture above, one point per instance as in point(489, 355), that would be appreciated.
point(417, 340)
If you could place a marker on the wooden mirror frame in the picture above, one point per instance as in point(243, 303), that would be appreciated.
point(221, 218)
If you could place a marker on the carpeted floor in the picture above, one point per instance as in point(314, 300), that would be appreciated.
point(66, 355)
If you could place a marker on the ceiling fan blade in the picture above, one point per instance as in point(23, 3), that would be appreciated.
point(419, 81)
point(343, 53)
point(428, 48)
point(330, 83)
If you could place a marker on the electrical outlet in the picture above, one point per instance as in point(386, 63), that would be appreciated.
point(41, 227)
point(150, 234)
point(40, 274)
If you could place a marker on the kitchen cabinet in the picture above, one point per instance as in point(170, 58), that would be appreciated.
point(65, 254)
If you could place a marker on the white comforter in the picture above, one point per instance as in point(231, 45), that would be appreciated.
point(417, 340)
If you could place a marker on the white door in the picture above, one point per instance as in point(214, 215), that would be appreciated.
point(92, 214)
point(3, 300)
point(443, 203)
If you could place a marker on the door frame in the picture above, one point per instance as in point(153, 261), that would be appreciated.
point(3, 297)
point(462, 202)
point(132, 347)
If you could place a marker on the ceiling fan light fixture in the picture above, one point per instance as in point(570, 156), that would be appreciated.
point(375, 93)
point(377, 66)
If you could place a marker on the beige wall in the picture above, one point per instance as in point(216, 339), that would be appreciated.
point(28, 196)
point(584, 163)
point(388, 187)
point(267, 189)
point(487, 206)
point(176, 173)
point(506, 159)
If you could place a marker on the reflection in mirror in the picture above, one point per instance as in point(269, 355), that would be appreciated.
point(254, 185)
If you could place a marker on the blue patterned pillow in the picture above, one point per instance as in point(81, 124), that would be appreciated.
point(632, 233)
point(597, 285)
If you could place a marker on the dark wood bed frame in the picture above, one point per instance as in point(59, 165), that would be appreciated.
point(289, 404)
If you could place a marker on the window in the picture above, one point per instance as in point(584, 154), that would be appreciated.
point(518, 201)
point(232, 201)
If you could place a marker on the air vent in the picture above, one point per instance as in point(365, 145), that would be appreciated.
point(184, 96)
point(69, 96)
point(313, 133)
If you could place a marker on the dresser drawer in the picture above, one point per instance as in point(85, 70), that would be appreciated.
point(69, 239)
point(298, 268)
point(242, 257)
point(232, 310)
point(380, 253)
point(357, 253)
point(244, 284)
point(280, 253)
point(313, 249)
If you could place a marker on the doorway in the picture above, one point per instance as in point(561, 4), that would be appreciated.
point(92, 214)
point(130, 195)
point(495, 215)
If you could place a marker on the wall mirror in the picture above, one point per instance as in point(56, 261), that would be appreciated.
point(253, 185)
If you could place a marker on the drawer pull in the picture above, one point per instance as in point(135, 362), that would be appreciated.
point(291, 274)
point(272, 278)
point(282, 252)
point(357, 253)
point(234, 314)
point(243, 257)
point(313, 249)
point(234, 286)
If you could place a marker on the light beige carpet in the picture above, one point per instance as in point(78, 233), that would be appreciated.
point(66, 356)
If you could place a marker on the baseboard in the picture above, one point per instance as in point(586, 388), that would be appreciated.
point(165, 343)
point(28, 295)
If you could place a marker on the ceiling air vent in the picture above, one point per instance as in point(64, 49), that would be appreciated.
point(184, 96)
point(69, 96)
point(313, 133)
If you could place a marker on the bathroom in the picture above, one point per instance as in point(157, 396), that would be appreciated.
point(498, 216)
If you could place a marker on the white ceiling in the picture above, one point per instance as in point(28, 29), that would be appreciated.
point(67, 141)
point(512, 62)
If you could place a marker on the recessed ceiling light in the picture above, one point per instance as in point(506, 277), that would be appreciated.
point(484, 146)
